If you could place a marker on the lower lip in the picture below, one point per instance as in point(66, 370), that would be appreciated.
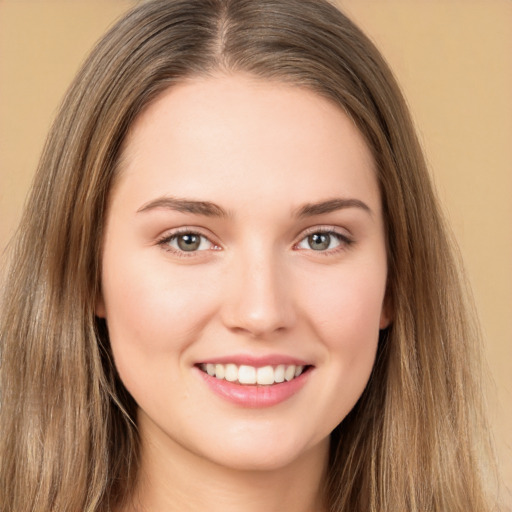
point(255, 396)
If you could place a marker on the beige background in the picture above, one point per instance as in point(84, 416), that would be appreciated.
point(453, 59)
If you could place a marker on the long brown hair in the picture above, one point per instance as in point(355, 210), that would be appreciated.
point(68, 439)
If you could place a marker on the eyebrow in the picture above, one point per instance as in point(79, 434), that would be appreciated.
point(209, 209)
point(331, 205)
point(206, 208)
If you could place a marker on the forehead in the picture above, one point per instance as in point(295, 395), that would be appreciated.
point(239, 133)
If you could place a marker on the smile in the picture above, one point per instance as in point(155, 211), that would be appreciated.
point(251, 375)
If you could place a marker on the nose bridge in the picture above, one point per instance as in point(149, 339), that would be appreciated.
point(258, 301)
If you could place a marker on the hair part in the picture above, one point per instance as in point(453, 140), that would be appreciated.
point(69, 440)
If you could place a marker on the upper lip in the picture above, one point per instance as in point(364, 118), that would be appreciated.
point(256, 361)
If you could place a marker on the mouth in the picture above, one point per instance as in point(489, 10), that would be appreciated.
point(247, 375)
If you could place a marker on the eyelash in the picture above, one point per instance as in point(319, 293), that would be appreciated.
point(169, 237)
point(344, 241)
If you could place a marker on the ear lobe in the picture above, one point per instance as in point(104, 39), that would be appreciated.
point(100, 310)
point(386, 314)
point(384, 321)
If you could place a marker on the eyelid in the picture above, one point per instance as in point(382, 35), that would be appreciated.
point(345, 239)
point(324, 229)
point(163, 240)
point(168, 235)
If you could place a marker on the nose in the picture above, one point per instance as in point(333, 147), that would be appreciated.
point(259, 298)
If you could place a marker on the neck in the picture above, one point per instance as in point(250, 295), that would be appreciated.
point(171, 478)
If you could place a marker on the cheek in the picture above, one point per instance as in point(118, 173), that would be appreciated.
point(344, 314)
point(152, 314)
point(346, 309)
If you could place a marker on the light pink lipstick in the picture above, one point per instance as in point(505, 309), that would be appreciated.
point(279, 378)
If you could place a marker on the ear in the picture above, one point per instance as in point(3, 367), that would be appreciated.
point(100, 309)
point(386, 314)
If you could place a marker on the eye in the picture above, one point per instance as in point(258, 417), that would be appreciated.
point(186, 242)
point(323, 241)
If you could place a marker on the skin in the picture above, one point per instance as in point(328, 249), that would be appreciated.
point(255, 286)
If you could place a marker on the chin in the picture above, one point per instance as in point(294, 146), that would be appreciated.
point(268, 454)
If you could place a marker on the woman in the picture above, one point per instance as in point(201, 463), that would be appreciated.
point(232, 286)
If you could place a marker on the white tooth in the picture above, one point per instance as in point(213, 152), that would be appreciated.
point(265, 375)
point(219, 371)
point(231, 372)
point(298, 370)
point(279, 373)
point(289, 373)
point(210, 369)
point(247, 374)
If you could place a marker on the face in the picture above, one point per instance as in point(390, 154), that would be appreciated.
point(244, 270)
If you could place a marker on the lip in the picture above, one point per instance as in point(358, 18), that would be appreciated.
point(256, 361)
point(254, 396)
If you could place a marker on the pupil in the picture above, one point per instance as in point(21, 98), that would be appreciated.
point(319, 241)
point(188, 242)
